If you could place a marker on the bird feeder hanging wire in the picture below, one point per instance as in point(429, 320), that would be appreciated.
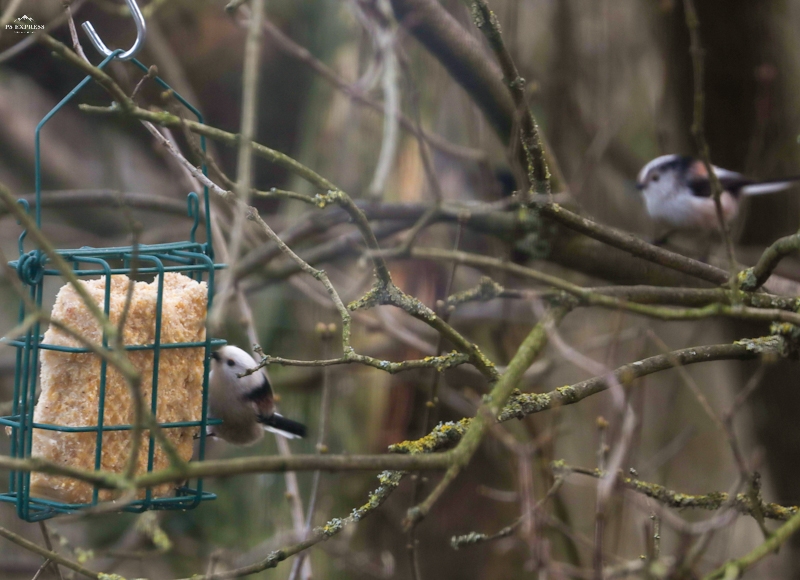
point(191, 258)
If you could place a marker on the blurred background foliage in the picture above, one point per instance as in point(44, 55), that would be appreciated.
point(610, 83)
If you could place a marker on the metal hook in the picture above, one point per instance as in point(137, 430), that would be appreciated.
point(141, 34)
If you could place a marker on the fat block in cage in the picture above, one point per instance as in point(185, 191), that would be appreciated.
point(84, 416)
point(71, 382)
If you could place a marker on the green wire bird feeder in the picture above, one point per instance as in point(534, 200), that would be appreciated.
point(191, 258)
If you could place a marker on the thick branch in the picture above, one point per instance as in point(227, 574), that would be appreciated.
point(735, 568)
point(520, 405)
point(589, 297)
point(438, 363)
point(49, 554)
point(708, 501)
point(532, 150)
point(523, 404)
point(464, 58)
point(585, 254)
point(239, 466)
point(276, 464)
point(488, 289)
point(755, 277)
point(633, 245)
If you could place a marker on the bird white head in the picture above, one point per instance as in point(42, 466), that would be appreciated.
point(655, 168)
point(230, 362)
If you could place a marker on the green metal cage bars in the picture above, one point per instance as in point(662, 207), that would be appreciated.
point(191, 258)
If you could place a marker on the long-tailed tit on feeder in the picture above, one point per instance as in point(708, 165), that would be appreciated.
point(246, 404)
point(677, 192)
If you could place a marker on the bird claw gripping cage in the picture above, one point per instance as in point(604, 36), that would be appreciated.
point(190, 258)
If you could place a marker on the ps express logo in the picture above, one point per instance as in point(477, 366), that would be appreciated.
point(24, 25)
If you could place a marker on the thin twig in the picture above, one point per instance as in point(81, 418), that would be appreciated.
point(49, 554)
point(458, 542)
point(533, 161)
point(244, 165)
point(698, 128)
point(379, 27)
point(49, 545)
point(73, 32)
point(388, 483)
point(290, 47)
point(325, 333)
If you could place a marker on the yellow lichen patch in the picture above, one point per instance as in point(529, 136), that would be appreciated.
point(567, 392)
point(442, 435)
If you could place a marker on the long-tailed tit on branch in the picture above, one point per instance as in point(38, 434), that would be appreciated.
point(245, 404)
point(677, 192)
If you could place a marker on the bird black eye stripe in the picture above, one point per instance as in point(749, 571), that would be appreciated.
point(230, 362)
point(655, 177)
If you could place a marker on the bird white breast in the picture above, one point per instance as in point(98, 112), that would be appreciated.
point(683, 210)
point(239, 425)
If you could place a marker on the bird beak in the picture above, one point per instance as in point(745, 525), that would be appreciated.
point(639, 186)
point(215, 355)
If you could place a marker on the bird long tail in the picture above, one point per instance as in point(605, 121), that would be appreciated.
point(279, 424)
point(771, 186)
